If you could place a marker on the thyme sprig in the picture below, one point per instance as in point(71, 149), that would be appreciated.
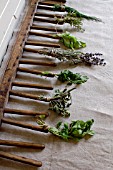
point(74, 13)
point(70, 41)
point(68, 76)
point(73, 21)
point(76, 130)
point(61, 102)
point(73, 56)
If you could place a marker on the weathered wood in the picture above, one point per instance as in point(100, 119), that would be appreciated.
point(53, 21)
point(20, 159)
point(33, 71)
point(23, 112)
point(36, 62)
point(30, 85)
point(48, 15)
point(15, 55)
point(30, 96)
point(43, 34)
point(37, 43)
point(24, 125)
point(37, 27)
point(50, 8)
point(22, 144)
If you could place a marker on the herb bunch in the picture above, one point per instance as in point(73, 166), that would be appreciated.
point(61, 102)
point(74, 13)
point(73, 21)
point(67, 76)
point(70, 41)
point(76, 130)
point(73, 56)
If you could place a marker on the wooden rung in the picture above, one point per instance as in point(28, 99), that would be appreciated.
point(24, 125)
point(36, 62)
point(54, 21)
point(45, 7)
point(20, 159)
point(51, 2)
point(37, 43)
point(33, 71)
point(30, 96)
point(48, 15)
point(22, 112)
point(37, 27)
point(22, 144)
point(30, 85)
point(43, 35)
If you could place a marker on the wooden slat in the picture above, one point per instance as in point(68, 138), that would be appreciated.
point(48, 15)
point(24, 125)
point(30, 96)
point(33, 71)
point(53, 21)
point(30, 85)
point(20, 159)
point(21, 144)
point(37, 43)
point(23, 112)
point(43, 34)
point(36, 62)
point(37, 27)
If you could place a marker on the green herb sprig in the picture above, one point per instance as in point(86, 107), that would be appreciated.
point(67, 76)
point(74, 13)
point(76, 130)
point(74, 57)
point(70, 41)
point(73, 21)
point(61, 102)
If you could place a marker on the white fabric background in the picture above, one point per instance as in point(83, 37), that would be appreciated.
point(94, 99)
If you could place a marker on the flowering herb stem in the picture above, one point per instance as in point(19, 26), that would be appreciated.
point(75, 57)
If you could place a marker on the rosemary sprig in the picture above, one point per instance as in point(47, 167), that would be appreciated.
point(61, 102)
point(68, 76)
point(74, 57)
point(76, 130)
point(70, 41)
point(74, 13)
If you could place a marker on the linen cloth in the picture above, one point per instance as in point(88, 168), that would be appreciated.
point(91, 100)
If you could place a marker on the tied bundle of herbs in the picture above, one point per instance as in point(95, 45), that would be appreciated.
point(67, 76)
point(61, 102)
point(76, 130)
point(70, 41)
point(73, 56)
point(73, 21)
point(74, 13)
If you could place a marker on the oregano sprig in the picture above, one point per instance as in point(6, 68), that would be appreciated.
point(75, 130)
point(70, 41)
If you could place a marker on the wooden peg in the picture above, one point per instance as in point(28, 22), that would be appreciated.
point(30, 96)
point(36, 62)
point(37, 43)
point(37, 27)
point(30, 85)
point(22, 112)
point(21, 144)
point(24, 125)
point(20, 159)
point(43, 34)
point(33, 71)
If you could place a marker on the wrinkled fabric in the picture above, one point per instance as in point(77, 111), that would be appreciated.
point(91, 100)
